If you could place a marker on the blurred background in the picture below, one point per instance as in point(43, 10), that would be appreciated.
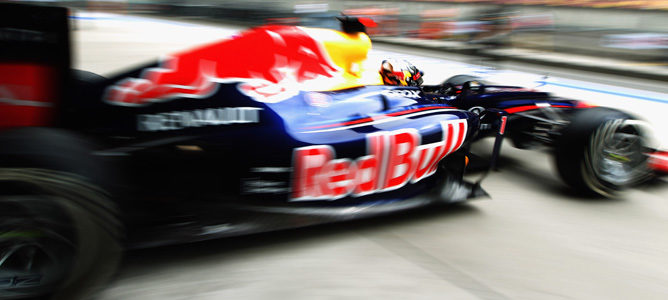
point(633, 30)
point(535, 240)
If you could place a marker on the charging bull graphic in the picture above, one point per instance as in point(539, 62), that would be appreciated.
point(271, 61)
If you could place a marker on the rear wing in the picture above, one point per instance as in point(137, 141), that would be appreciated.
point(34, 63)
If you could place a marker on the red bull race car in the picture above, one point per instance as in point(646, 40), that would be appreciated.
point(597, 151)
point(277, 127)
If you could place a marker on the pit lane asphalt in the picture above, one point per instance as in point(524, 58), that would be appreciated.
point(533, 240)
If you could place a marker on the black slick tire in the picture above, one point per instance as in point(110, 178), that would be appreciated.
point(581, 151)
point(54, 204)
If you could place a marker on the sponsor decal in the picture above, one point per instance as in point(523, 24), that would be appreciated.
point(197, 118)
point(270, 63)
point(263, 184)
point(259, 186)
point(394, 159)
point(413, 94)
point(502, 128)
point(318, 99)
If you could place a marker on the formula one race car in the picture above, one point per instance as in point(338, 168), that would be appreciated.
point(597, 150)
point(277, 127)
point(274, 128)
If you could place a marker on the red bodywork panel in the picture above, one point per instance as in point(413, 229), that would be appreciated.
point(34, 64)
point(26, 93)
point(658, 161)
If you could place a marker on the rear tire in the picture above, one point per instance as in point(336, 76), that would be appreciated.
point(53, 207)
point(601, 152)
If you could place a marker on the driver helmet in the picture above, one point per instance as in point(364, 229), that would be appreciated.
point(400, 72)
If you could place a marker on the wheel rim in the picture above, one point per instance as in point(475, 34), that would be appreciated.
point(34, 254)
point(615, 157)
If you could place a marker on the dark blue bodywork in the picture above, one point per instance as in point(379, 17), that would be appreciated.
point(236, 166)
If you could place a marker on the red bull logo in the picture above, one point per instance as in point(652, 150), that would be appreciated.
point(393, 159)
point(271, 62)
